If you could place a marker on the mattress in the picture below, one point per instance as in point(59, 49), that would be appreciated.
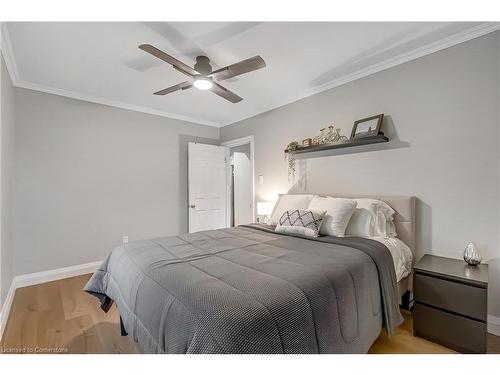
point(250, 290)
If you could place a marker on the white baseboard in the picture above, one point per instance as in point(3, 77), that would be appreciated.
point(494, 325)
point(4, 313)
point(81, 269)
point(40, 278)
point(57, 274)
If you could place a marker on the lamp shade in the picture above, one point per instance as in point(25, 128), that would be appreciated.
point(265, 208)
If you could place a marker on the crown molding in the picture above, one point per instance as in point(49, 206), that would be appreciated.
point(111, 103)
point(464, 36)
point(10, 62)
point(7, 53)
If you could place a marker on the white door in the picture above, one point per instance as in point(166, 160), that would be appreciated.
point(243, 210)
point(207, 186)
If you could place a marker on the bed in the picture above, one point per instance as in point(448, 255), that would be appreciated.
point(251, 290)
point(404, 220)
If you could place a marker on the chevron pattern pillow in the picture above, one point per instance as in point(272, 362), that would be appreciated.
point(304, 222)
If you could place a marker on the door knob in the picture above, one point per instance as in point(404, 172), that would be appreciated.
point(193, 206)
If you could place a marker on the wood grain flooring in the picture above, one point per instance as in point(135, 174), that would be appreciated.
point(58, 317)
point(403, 341)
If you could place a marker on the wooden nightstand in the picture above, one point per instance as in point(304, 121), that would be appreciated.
point(451, 303)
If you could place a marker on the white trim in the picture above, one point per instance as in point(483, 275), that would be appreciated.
point(4, 313)
point(228, 183)
point(10, 61)
point(56, 274)
point(40, 278)
point(494, 325)
point(8, 55)
point(461, 37)
point(111, 103)
point(82, 269)
point(234, 143)
point(464, 36)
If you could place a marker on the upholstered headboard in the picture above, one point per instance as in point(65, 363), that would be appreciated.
point(404, 218)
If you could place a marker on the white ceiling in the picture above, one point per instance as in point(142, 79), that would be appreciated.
point(100, 62)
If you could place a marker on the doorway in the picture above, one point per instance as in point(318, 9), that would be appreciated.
point(240, 181)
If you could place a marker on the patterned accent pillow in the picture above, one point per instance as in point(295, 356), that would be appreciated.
point(304, 222)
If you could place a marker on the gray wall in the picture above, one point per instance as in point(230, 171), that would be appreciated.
point(6, 168)
point(87, 174)
point(443, 121)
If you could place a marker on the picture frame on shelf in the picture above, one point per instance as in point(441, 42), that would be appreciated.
point(367, 127)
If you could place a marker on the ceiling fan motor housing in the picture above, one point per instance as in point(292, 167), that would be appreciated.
point(202, 65)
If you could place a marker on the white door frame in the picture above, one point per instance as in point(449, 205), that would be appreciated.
point(233, 143)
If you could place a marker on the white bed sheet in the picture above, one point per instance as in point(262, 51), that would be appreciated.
point(401, 254)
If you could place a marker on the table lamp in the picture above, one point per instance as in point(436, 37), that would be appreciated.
point(264, 211)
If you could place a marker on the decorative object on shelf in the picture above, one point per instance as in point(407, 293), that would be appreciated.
point(335, 136)
point(323, 136)
point(367, 127)
point(290, 156)
point(264, 211)
point(307, 142)
point(471, 255)
point(329, 135)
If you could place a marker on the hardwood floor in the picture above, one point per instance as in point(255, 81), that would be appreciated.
point(404, 342)
point(59, 317)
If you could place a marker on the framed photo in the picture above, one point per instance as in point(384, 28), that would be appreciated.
point(367, 127)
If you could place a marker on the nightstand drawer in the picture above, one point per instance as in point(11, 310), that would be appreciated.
point(452, 296)
point(456, 332)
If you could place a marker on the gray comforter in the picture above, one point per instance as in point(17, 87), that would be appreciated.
point(250, 290)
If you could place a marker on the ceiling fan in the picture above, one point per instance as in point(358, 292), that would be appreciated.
point(203, 76)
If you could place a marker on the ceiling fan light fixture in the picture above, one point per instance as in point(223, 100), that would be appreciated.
point(203, 83)
point(203, 77)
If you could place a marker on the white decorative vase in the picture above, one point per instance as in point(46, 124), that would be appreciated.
point(471, 255)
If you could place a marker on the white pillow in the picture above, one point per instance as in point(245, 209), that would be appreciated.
point(289, 202)
point(370, 219)
point(304, 222)
point(338, 214)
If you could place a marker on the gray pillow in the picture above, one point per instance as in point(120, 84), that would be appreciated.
point(304, 222)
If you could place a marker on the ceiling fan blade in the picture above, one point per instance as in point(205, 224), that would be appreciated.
point(225, 93)
point(179, 65)
point(239, 68)
point(180, 86)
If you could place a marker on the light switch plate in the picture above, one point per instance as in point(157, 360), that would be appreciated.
point(125, 239)
point(261, 179)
